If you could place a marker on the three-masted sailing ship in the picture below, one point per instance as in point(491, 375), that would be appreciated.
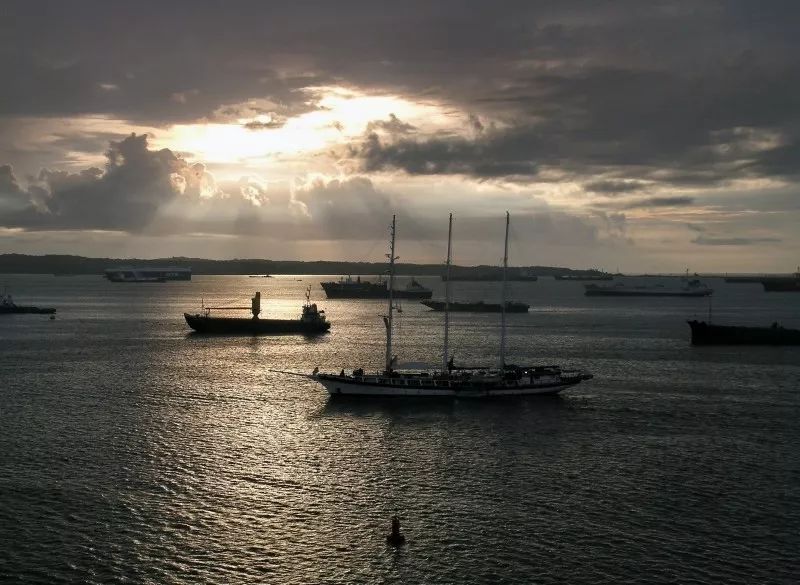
point(450, 380)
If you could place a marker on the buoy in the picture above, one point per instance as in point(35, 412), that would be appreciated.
point(395, 537)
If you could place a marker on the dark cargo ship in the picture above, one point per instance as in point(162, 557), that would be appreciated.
point(147, 274)
point(312, 321)
point(708, 334)
point(9, 307)
point(689, 288)
point(784, 284)
point(347, 288)
point(583, 277)
point(479, 307)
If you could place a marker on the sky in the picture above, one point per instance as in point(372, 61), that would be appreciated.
point(639, 136)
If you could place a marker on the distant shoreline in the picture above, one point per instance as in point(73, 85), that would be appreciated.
point(69, 265)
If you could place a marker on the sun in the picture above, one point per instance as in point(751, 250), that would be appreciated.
point(341, 116)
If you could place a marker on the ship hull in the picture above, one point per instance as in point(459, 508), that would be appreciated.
point(345, 386)
point(249, 326)
point(130, 274)
point(705, 334)
point(599, 292)
point(135, 279)
point(477, 307)
point(23, 310)
point(582, 278)
point(335, 292)
point(792, 285)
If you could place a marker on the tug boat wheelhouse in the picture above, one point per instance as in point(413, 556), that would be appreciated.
point(450, 381)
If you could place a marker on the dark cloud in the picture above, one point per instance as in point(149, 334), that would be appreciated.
point(663, 93)
point(612, 187)
point(391, 126)
point(646, 202)
point(492, 155)
point(714, 241)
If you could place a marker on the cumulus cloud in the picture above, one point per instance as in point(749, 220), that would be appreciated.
point(125, 195)
point(266, 122)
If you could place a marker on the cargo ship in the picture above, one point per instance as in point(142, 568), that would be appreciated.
point(131, 274)
point(709, 334)
point(689, 288)
point(583, 277)
point(9, 307)
point(347, 288)
point(311, 321)
point(782, 284)
point(479, 307)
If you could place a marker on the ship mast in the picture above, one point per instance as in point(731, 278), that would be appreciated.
point(447, 295)
point(392, 258)
point(503, 306)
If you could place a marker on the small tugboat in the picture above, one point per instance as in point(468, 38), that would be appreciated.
point(709, 334)
point(312, 321)
point(9, 307)
point(347, 288)
point(479, 307)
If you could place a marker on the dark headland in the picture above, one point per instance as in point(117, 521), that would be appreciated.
point(66, 265)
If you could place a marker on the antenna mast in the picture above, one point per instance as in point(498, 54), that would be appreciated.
point(503, 306)
point(447, 295)
point(392, 258)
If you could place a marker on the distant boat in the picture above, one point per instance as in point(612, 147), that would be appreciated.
point(260, 276)
point(9, 307)
point(450, 381)
point(347, 288)
point(479, 307)
point(147, 274)
point(490, 275)
point(782, 284)
point(746, 279)
point(581, 277)
point(311, 321)
point(688, 288)
point(709, 334)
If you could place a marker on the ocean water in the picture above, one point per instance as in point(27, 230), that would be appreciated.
point(133, 451)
